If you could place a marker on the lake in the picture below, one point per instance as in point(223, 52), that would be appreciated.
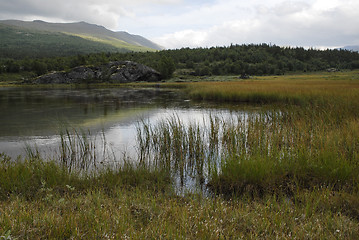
point(35, 117)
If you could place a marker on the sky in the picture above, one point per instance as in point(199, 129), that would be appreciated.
point(198, 23)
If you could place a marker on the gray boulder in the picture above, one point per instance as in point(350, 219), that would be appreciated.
point(128, 71)
point(116, 72)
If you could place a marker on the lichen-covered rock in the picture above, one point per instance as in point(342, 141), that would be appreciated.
point(81, 73)
point(118, 72)
point(128, 71)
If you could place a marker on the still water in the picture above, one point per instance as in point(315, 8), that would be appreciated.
point(32, 117)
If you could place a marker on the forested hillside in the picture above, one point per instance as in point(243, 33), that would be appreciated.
point(16, 43)
point(38, 39)
point(88, 31)
point(262, 59)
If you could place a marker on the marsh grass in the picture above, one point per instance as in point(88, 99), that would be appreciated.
point(76, 149)
point(82, 162)
point(43, 199)
point(141, 214)
point(259, 153)
point(83, 151)
point(37, 179)
point(301, 90)
point(283, 172)
point(184, 150)
point(293, 149)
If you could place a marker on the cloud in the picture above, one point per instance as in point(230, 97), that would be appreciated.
point(104, 12)
point(290, 23)
point(289, 8)
point(188, 23)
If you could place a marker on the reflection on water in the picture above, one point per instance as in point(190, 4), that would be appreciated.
point(28, 112)
point(35, 117)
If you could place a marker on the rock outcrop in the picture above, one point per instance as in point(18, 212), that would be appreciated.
point(115, 72)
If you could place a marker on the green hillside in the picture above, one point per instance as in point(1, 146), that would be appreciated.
point(19, 39)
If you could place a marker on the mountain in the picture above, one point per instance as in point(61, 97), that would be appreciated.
point(351, 48)
point(39, 38)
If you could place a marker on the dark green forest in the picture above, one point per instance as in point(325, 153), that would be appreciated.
point(253, 59)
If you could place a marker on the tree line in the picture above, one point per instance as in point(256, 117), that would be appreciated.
point(253, 59)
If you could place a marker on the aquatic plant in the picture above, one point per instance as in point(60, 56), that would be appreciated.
point(80, 150)
point(266, 151)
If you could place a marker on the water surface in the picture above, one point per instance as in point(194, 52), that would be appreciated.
point(35, 117)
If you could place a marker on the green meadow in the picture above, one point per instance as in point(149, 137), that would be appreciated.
point(288, 170)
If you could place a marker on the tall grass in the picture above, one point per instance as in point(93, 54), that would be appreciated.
point(81, 161)
point(38, 179)
point(185, 151)
point(274, 151)
point(83, 151)
point(302, 90)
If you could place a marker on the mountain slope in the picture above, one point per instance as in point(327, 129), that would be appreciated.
point(65, 39)
point(352, 48)
point(17, 43)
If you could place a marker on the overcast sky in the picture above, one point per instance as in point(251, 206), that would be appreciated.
point(199, 23)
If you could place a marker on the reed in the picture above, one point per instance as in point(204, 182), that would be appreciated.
point(283, 152)
point(301, 90)
point(272, 151)
point(81, 150)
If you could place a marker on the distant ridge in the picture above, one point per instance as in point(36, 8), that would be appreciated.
point(351, 48)
point(87, 29)
point(72, 35)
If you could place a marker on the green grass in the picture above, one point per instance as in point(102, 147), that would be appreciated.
point(34, 179)
point(116, 43)
point(301, 89)
point(275, 151)
point(14, 78)
point(46, 201)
